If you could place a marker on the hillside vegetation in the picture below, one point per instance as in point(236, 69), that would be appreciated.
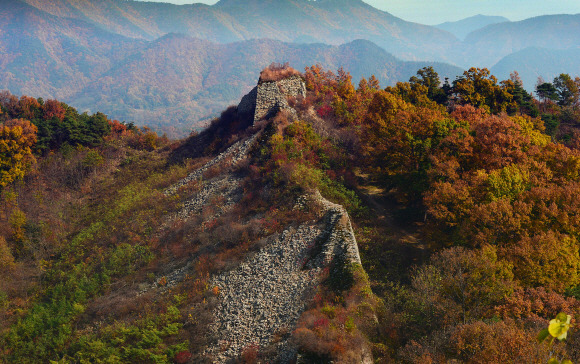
point(174, 83)
point(463, 198)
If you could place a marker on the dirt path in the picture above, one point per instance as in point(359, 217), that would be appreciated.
point(383, 207)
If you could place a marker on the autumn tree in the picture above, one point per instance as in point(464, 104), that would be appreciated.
point(522, 100)
point(399, 140)
point(567, 90)
point(546, 91)
point(479, 88)
point(17, 137)
point(53, 109)
point(457, 286)
point(429, 78)
point(498, 342)
point(9, 103)
point(516, 190)
point(414, 93)
point(28, 108)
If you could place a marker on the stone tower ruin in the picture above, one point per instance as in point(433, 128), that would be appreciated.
point(276, 85)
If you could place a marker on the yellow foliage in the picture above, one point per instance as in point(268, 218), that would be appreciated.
point(532, 130)
point(16, 139)
point(508, 182)
point(17, 221)
point(549, 260)
point(6, 258)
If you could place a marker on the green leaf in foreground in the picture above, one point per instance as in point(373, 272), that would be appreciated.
point(559, 326)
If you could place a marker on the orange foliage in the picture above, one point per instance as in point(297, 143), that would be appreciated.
point(500, 342)
point(468, 113)
point(28, 106)
point(117, 127)
point(537, 303)
point(276, 72)
point(53, 109)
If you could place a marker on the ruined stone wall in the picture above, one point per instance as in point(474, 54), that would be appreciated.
point(267, 293)
point(269, 101)
point(261, 300)
point(292, 86)
point(269, 97)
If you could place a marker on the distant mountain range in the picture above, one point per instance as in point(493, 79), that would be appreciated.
point(175, 66)
point(177, 79)
point(463, 27)
point(173, 82)
point(534, 62)
point(301, 21)
point(488, 45)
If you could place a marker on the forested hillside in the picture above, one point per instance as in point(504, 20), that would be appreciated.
point(301, 21)
point(175, 83)
point(174, 67)
point(463, 197)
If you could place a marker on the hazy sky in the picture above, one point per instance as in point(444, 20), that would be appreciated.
point(439, 11)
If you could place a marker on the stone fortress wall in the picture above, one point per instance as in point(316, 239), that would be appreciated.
point(266, 294)
point(269, 97)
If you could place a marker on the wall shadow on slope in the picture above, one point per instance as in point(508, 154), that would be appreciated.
point(220, 134)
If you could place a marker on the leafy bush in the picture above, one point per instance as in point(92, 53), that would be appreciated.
point(276, 72)
point(142, 342)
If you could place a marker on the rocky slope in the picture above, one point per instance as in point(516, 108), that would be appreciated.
point(260, 301)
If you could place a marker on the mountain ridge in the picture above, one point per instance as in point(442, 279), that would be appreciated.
point(486, 46)
point(461, 28)
point(85, 52)
point(226, 22)
point(173, 81)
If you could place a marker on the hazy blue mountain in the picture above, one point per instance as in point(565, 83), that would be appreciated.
point(178, 80)
point(533, 62)
point(326, 21)
point(463, 27)
point(127, 59)
point(171, 82)
point(42, 54)
point(486, 46)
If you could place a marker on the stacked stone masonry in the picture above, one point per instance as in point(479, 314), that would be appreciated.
point(261, 300)
point(266, 99)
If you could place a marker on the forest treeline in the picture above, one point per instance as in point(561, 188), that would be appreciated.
point(484, 175)
point(35, 127)
point(490, 177)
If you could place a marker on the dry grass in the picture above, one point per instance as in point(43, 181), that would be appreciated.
point(276, 72)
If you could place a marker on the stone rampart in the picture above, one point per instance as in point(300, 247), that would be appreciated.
point(270, 97)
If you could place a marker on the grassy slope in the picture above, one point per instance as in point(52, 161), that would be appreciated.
point(99, 243)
